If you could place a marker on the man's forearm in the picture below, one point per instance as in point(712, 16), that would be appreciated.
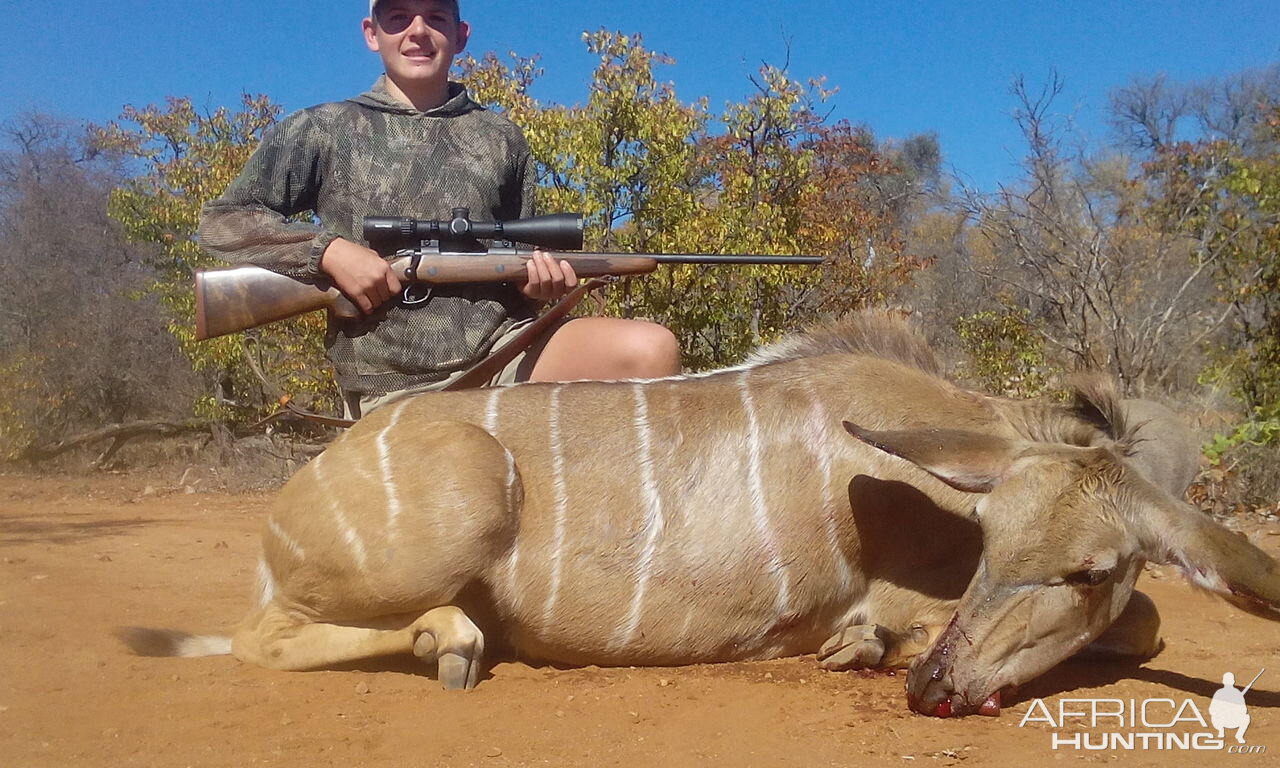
point(255, 234)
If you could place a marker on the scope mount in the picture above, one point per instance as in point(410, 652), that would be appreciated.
point(558, 231)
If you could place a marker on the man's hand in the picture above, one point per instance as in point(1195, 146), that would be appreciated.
point(360, 273)
point(548, 279)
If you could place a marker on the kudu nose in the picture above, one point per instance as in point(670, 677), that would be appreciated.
point(932, 691)
point(932, 707)
point(929, 688)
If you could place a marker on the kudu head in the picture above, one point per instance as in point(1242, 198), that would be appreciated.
point(1065, 530)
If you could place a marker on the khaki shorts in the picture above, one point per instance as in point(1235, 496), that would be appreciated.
point(356, 404)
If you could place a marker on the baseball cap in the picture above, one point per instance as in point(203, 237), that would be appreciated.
point(374, 3)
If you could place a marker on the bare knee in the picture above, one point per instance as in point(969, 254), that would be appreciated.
point(649, 351)
point(607, 348)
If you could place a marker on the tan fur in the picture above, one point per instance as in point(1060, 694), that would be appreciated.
point(718, 517)
point(880, 333)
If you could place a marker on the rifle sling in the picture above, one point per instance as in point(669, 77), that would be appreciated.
point(480, 373)
point(328, 421)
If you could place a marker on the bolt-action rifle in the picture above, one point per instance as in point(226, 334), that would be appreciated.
point(424, 252)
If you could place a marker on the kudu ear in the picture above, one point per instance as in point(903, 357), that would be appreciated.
point(967, 461)
point(1212, 557)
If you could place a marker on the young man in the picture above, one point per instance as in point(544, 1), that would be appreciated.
point(413, 145)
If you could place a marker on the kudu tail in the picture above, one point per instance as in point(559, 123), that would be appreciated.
point(145, 641)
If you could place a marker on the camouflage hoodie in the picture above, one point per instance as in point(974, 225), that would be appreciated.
point(376, 156)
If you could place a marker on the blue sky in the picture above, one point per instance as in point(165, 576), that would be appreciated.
point(902, 67)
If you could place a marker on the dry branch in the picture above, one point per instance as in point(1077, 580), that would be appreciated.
point(118, 434)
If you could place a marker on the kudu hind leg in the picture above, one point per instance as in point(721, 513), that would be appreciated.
point(285, 640)
point(449, 526)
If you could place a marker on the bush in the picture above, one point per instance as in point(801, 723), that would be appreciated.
point(1007, 356)
point(78, 348)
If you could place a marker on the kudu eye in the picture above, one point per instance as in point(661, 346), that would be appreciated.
point(1090, 577)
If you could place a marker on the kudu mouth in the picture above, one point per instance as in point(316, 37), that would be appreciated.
point(931, 689)
point(956, 705)
point(937, 697)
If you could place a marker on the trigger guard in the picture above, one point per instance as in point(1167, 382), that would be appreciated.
point(414, 294)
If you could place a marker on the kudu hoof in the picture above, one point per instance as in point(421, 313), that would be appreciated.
point(857, 647)
point(457, 666)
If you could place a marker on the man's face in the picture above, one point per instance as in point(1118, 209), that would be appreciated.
point(417, 40)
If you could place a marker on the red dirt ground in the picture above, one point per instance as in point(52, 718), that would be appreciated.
point(79, 556)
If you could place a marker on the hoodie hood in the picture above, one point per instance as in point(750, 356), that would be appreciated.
point(379, 98)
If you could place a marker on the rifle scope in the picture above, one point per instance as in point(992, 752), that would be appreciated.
point(558, 231)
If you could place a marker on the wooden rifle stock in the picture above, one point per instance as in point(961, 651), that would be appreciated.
point(231, 299)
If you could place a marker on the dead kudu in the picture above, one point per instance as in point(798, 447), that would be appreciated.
point(733, 516)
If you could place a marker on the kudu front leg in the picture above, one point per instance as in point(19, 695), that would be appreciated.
point(447, 637)
point(858, 647)
point(872, 646)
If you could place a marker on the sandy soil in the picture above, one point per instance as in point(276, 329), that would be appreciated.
point(79, 556)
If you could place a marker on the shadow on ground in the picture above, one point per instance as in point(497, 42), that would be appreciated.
point(66, 529)
point(1077, 675)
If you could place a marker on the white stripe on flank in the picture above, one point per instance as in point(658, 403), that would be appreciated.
point(674, 376)
point(716, 372)
point(512, 479)
point(513, 583)
point(759, 505)
point(384, 467)
point(288, 541)
point(266, 583)
point(686, 638)
point(654, 520)
point(818, 445)
point(561, 502)
point(348, 532)
point(491, 412)
point(513, 559)
point(490, 425)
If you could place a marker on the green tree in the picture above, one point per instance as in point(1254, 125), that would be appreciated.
point(1072, 246)
point(79, 350)
point(656, 174)
point(189, 158)
point(1239, 213)
point(1006, 354)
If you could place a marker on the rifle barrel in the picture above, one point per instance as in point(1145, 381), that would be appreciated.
point(1254, 680)
point(743, 258)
